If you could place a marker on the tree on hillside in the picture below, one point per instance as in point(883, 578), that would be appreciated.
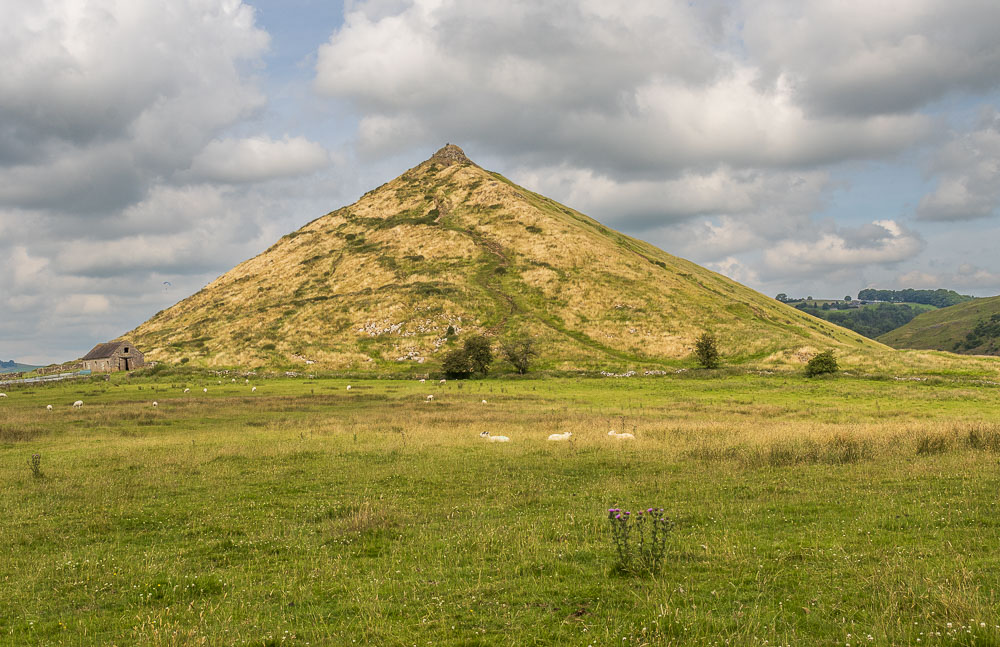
point(706, 349)
point(519, 352)
point(822, 363)
point(456, 364)
point(782, 297)
point(479, 354)
point(848, 298)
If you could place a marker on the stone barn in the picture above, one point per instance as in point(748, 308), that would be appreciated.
point(113, 356)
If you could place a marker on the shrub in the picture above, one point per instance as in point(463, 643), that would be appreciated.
point(821, 363)
point(641, 539)
point(706, 349)
point(456, 364)
point(479, 354)
point(519, 352)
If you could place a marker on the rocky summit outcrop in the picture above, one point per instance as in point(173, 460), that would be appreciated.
point(449, 249)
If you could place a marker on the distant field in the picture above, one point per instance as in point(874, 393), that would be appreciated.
point(809, 512)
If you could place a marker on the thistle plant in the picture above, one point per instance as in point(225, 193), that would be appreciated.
point(640, 539)
point(36, 465)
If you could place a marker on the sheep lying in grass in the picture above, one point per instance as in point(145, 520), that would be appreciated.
point(484, 401)
point(560, 437)
point(78, 404)
point(621, 436)
point(494, 439)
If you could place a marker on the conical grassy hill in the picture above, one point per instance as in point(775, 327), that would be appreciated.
point(376, 285)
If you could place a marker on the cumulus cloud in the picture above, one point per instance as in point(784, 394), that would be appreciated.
point(858, 58)
point(881, 242)
point(966, 276)
point(594, 85)
point(255, 159)
point(968, 168)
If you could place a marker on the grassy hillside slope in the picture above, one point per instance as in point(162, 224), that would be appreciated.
point(375, 285)
point(948, 328)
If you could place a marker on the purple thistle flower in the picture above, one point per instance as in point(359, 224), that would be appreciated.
point(618, 516)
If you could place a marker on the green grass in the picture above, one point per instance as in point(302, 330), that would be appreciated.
point(946, 328)
point(809, 512)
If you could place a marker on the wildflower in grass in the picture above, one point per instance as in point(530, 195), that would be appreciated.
point(641, 540)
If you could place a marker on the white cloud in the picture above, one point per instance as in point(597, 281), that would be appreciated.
point(856, 57)
point(968, 168)
point(256, 159)
point(591, 85)
point(882, 242)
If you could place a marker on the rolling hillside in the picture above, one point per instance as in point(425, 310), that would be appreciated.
point(949, 329)
point(377, 284)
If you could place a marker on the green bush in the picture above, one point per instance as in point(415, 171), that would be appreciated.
point(456, 364)
point(821, 363)
point(706, 349)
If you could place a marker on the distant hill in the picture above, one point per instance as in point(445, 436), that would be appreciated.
point(11, 366)
point(971, 328)
point(449, 245)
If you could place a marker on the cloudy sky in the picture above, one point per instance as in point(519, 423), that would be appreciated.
point(814, 147)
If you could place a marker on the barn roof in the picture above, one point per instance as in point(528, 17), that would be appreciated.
point(102, 351)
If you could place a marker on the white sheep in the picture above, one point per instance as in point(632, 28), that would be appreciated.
point(494, 439)
point(621, 436)
point(205, 390)
point(187, 390)
point(560, 437)
point(48, 407)
point(422, 380)
point(3, 395)
point(348, 387)
point(234, 380)
point(78, 404)
point(442, 381)
point(253, 389)
point(155, 404)
point(246, 381)
point(430, 397)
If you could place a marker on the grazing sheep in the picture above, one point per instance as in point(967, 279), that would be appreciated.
point(205, 390)
point(246, 381)
point(442, 381)
point(430, 397)
point(253, 389)
point(234, 380)
point(621, 436)
point(3, 395)
point(48, 407)
point(155, 404)
point(187, 390)
point(422, 380)
point(348, 387)
point(484, 401)
point(78, 404)
point(560, 437)
point(494, 439)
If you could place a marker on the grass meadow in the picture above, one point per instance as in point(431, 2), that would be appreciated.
point(842, 511)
